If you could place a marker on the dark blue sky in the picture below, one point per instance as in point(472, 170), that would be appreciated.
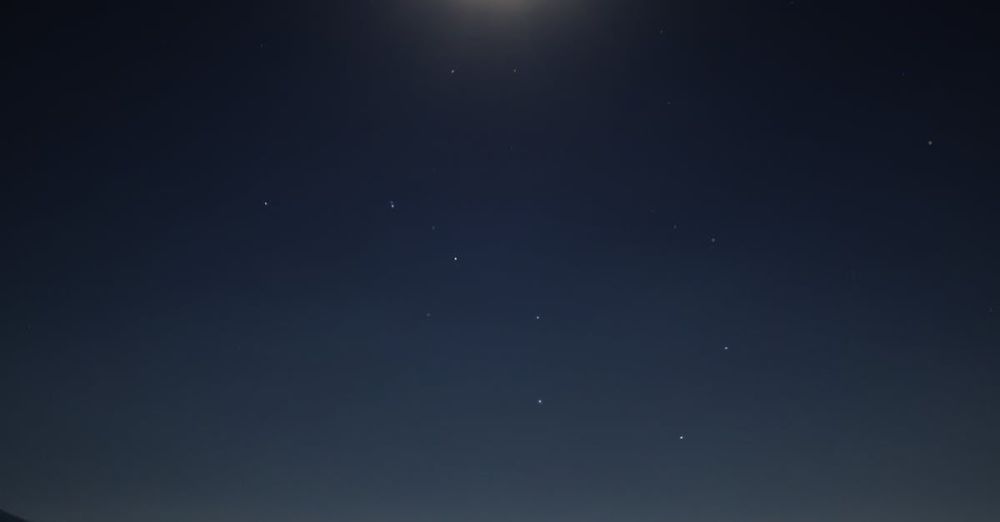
point(321, 261)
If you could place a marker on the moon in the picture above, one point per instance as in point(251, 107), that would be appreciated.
point(498, 4)
point(514, 6)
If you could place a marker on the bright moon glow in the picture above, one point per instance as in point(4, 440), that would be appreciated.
point(512, 6)
point(495, 16)
point(497, 4)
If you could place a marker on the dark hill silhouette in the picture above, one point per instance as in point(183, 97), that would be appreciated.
point(7, 517)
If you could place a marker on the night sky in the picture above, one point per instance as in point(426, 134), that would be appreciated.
point(500, 261)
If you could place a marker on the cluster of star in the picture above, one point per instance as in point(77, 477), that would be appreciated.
point(393, 205)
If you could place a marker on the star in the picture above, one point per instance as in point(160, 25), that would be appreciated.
point(267, 203)
point(538, 317)
point(930, 143)
point(539, 402)
point(453, 71)
point(454, 258)
point(726, 348)
point(681, 437)
point(712, 240)
point(392, 205)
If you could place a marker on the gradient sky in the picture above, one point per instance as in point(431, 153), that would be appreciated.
point(500, 260)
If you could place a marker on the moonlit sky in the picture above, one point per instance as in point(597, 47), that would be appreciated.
point(500, 260)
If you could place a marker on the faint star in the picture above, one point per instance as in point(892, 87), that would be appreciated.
point(267, 203)
point(538, 317)
point(930, 142)
point(392, 205)
point(453, 71)
point(712, 240)
point(427, 315)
